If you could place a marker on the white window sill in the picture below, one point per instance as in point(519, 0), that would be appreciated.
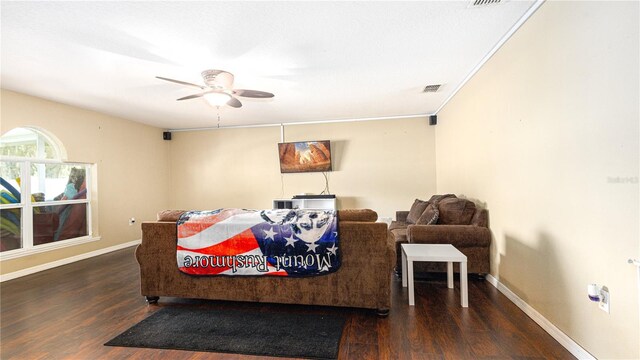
point(18, 253)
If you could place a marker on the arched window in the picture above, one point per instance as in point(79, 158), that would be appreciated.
point(31, 143)
point(56, 210)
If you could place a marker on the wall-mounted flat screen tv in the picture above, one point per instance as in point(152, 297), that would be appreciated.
point(305, 156)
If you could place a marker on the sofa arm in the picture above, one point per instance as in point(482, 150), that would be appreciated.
point(365, 215)
point(401, 216)
point(457, 235)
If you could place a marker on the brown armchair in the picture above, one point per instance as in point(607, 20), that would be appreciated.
point(444, 219)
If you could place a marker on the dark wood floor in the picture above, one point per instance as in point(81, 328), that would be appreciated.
point(69, 313)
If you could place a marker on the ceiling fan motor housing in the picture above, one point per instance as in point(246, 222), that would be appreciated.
point(218, 79)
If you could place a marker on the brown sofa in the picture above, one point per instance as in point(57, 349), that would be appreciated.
point(444, 219)
point(363, 280)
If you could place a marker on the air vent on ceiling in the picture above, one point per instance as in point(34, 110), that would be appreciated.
point(484, 2)
point(431, 88)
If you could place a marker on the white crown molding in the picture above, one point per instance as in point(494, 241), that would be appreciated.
point(281, 125)
point(564, 340)
point(69, 260)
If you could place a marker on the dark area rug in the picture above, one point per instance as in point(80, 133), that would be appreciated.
point(310, 336)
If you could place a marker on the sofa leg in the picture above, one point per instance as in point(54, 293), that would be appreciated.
point(383, 313)
point(152, 299)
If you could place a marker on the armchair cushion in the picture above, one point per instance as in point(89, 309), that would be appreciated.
point(416, 210)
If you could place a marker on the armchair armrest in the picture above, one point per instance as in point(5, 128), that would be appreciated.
point(401, 216)
point(457, 235)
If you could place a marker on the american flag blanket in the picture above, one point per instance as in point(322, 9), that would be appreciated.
point(258, 242)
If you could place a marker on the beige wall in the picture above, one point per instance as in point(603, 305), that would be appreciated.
point(547, 134)
point(131, 161)
point(382, 165)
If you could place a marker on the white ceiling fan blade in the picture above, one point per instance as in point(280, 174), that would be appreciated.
point(233, 102)
point(180, 82)
point(253, 93)
point(192, 96)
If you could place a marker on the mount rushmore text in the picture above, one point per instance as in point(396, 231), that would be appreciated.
point(259, 262)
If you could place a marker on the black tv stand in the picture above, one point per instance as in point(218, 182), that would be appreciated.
point(323, 196)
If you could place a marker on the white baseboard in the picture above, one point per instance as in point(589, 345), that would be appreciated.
point(564, 340)
point(69, 260)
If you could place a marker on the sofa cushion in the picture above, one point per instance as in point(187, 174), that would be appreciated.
point(417, 209)
point(460, 236)
point(170, 215)
point(455, 211)
point(480, 218)
point(437, 198)
point(429, 216)
point(366, 215)
point(400, 236)
point(397, 225)
point(401, 215)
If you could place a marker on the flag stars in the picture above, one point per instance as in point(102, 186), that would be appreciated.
point(333, 249)
point(269, 234)
point(311, 247)
point(291, 241)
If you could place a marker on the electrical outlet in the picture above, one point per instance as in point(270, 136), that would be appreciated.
point(605, 300)
point(132, 221)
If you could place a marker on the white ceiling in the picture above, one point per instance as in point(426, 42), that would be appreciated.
point(322, 60)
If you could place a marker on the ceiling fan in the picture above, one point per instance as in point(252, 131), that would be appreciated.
point(218, 89)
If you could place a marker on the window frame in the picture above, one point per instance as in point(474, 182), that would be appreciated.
point(27, 206)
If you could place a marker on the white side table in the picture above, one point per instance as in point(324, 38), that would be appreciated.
point(438, 253)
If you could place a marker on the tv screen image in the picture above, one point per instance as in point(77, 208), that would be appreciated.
point(305, 156)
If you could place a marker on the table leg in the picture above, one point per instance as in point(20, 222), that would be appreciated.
point(410, 279)
point(450, 274)
point(464, 294)
point(404, 267)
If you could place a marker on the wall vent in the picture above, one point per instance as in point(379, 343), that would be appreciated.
point(484, 2)
point(431, 88)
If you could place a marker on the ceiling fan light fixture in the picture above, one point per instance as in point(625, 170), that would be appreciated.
point(217, 98)
point(218, 89)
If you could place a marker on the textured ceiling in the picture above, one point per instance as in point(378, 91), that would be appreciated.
point(322, 60)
